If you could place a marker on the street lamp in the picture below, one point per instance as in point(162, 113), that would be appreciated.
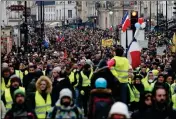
point(111, 13)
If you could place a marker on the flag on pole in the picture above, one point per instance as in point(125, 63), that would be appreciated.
point(134, 54)
point(174, 43)
point(125, 22)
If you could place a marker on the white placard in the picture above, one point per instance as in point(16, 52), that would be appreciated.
point(160, 50)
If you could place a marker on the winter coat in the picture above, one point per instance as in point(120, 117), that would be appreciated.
point(61, 112)
point(27, 79)
point(154, 113)
point(58, 85)
point(20, 112)
point(100, 93)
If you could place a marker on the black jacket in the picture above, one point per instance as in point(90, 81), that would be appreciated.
point(20, 112)
point(58, 85)
point(27, 79)
point(156, 113)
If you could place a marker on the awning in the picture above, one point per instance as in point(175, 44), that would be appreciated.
point(55, 24)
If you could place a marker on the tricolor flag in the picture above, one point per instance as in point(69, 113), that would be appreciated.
point(134, 54)
point(125, 22)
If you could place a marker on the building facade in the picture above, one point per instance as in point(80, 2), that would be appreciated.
point(86, 9)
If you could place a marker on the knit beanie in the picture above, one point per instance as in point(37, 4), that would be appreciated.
point(19, 91)
point(15, 78)
point(57, 69)
point(65, 93)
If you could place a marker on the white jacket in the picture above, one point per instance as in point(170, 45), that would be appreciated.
point(2, 109)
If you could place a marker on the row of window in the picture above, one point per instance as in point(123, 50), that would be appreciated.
point(50, 9)
point(52, 16)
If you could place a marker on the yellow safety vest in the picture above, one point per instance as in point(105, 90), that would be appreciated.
point(134, 94)
point(174, 101)
point(3, 85)
point(41, 106)
point(148, 86)
point(43, 72)
point(8, 97)
point(173, 86)
point(72, 78)
point(120, 70)
point(20, 74)
point(86, 80)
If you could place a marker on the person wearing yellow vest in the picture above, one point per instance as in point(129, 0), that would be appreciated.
point(21, 72)
point(41, 100)
point(148, 82)
point(84, 84)
point(5, 80)
point(7, 97)
point(119, 67)
point(19, 108)
point(173, 86)
point(174, 100)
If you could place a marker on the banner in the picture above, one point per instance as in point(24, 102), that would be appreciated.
point(107, 42)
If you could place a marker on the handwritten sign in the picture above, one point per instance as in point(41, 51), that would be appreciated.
point(107, 42)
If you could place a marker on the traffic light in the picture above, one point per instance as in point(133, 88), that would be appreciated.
point(134, 19)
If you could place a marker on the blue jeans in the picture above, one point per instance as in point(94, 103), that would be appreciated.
point(124, 92)
point(77, 97)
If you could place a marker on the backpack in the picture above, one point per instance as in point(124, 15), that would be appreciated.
point(53, 113)
point(101, 107)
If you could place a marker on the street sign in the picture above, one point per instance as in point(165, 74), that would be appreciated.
point(16, 7)
point(28, 11)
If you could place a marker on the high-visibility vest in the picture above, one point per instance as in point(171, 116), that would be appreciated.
point(43, 72)
point(41, 106)
point(20, 74)
point(134, 94)
point(8, 97)
point(173, 87)
point(86, 80)
point(3, 85)
point(120, 70)
point(72, 78)
point(148, 86)
point(174, 101)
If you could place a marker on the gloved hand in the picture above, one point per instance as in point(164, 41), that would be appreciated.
point(82, 92)
point(111, 63)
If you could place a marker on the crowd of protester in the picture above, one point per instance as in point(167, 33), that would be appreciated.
point(73, 79)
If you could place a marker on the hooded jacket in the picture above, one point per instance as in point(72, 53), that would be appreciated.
point(62, 112)
point(100, 93)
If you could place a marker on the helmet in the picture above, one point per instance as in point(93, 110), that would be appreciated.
point(100, 83)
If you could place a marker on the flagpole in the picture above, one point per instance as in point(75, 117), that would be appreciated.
point(126, 42)
point(157, 16)
point(126, 32)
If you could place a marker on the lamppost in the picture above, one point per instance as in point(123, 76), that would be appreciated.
point(111, 14)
